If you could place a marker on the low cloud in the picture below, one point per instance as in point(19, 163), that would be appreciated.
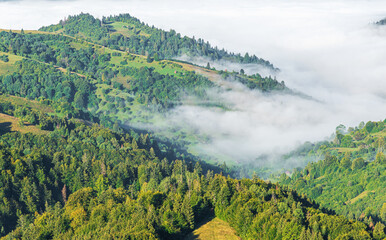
point(250, 126)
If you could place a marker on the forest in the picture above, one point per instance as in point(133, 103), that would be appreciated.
point(85, 174)
point(351, 177)
point(89, 182)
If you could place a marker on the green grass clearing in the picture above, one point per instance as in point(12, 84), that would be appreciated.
point(12, 124)
point(360, 196)
point(345, 150)
point(216, 229)
point(379, 134)
point(127, 29)
point(19, 101)
point(9, 67)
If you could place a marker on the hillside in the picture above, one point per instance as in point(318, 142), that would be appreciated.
point(89, 182)
point(128, 33)
point(74, 167)
point(118, 87)
point(351, 178)
point(14, 117)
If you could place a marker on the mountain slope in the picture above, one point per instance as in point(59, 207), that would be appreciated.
point(116, 186)
point(118, 87)
point(130, 34)
point(81, 180)
point(351, 179)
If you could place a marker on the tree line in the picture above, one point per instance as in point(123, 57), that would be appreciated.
point(164, 44)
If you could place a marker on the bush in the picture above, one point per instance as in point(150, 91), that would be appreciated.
point(4, 58)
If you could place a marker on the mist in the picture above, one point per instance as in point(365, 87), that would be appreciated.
point(329, 50)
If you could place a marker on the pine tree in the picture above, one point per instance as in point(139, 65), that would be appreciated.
point(188, 212)
point(379, 231)
point(156, 57)
point(134, 144)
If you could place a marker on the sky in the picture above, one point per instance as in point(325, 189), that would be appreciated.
point(328, 49)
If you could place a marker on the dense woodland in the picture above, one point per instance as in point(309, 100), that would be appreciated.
point(115, 86)
point(85, 177)
point(95, 63)
point(4, 58)
point(161, 89)
point(89, 182)
point(33, 80)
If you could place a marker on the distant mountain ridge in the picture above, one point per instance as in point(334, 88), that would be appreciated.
point(129, 33)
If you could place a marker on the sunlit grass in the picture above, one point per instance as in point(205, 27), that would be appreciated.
point(215, 229)
point(127, 29)
point(8, 67)
point(19, 101)
point(12, 124)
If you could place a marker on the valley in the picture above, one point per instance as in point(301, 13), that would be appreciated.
point(105, 134)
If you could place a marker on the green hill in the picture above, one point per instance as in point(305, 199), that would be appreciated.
point(80, 174)
point(127, 33)
point(115, 86)
point(351, 179)
point(89, 182)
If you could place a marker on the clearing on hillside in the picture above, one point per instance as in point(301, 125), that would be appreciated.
point(216, 229)
point(8, 67)
point(19, 101)
point(12, 124)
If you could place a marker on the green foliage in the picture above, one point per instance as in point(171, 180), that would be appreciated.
point(165, 89)
point(261, 211)
point(358, 163)
point(156, 57)
point(108, 181)
point(81, 24)
point(4, 58)
point(83, 181)
point(35, 168)
point(380, 158)
point(34, 80)
point(154, 91)
point(352, 180)
point(379, 231)
point(383, 212)
point(255, 81)
point(166, 44)
point(149, 59)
